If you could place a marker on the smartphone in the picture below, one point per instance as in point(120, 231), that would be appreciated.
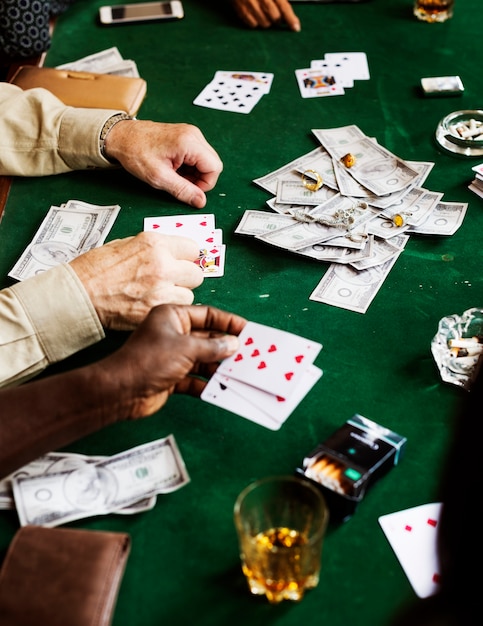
point(142, 12)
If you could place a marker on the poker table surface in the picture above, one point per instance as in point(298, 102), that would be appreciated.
point(184, 566)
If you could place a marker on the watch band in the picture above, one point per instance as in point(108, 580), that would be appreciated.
point(108, 126)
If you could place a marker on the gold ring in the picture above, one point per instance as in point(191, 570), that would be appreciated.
point(312, 185)
point(348, 159)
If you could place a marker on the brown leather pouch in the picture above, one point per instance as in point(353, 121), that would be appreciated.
point(62, 577)
point(85, 89)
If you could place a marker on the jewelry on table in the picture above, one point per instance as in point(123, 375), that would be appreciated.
point(398, 218)
point(348, 159)
point(312, 185)
point(342, 218)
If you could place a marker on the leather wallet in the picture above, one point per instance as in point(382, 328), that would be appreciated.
point(85, 89)
point(62, 577)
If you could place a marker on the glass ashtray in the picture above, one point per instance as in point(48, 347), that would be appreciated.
point(457, 347)
point(459, 133)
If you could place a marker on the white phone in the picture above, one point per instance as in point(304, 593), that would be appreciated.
point(141, 12)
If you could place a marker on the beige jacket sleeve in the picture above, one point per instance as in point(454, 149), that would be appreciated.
point(43, 320)
point(39, 135)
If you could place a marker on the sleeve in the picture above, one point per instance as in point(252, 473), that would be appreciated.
point(39, 135)
point(43, 320)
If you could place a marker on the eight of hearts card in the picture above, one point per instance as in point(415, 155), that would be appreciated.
point(201, 228)
point(268, 376)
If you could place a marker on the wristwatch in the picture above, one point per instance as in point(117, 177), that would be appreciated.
point(108, 126)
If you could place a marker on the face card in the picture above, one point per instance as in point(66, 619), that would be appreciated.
point(353, 64)
point(334, 69)
point(276, 407)
point(216, 392)
point(413, 535)
point(262, 80)
point(212, 261)
point(270, 359)
point(315, 83)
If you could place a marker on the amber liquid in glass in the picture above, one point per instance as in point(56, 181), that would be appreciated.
point(433, 10)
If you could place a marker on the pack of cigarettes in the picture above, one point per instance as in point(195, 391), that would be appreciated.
point(442, 86)
point(350, 461)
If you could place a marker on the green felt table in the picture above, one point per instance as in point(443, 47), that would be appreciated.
point(184, 565)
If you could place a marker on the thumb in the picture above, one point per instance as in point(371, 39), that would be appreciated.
point(184, 190)
point(215, 349)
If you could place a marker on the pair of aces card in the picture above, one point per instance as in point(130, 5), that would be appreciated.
point(269, 375)
point(201, 228)
point(333, 74)
point(235, 91)
point(412, 534)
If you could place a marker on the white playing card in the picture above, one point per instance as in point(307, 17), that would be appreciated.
point(276, 407)
point(315, 83)
point(352, 63)
point(334, 69)
point(217, 393)
point(270, 359)
point(212, 261)
point(261, 80)
point(412, 534)
point(200, 227)
point(226, 95)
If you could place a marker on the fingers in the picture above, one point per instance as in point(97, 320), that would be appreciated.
point(266, 13)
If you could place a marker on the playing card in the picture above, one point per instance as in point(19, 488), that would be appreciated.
point(335, 69)
point(270, 359)
point(412, 534)
point(237, 96)
point(212, 261)
point(353, 64)
point(260, 80)
point(217, 393)
point(274, 406)
point(200, 227)
point(314, 83)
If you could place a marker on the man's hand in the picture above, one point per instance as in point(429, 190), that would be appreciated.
point(174, 351)
point(127, 277)
point(266, 13)
point(172, 157)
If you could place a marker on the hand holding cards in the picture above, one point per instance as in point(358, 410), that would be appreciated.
point(267, 377)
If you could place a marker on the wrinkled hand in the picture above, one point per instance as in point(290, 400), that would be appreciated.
point(127, 277)
point(172, 157)
point(173, 350)
point(266, 13)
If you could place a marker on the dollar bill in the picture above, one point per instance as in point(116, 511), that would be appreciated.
point(383, 250)
point(54, 462)
point(100, 488)
point(289, 171)
point(258, 222)
point(128, 68)
point(444, 219)
point(347, 288)
point(375, 168)
point(294, 192)
point(65, 233)
point(96, 62)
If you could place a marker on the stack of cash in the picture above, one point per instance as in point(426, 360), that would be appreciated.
point(66, 232)
point(62, 487)
point(109, 61)
point(351, 203)
point(476, 185)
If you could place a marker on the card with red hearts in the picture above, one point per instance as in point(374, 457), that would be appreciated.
point(270, 359)
point(201, 228)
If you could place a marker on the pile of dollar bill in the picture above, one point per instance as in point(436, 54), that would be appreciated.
point(61, 487)
point(358, 218)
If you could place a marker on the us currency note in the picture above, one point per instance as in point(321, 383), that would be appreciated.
point(444, 219)
point(100, 488)
point(128, 68)
point(293, 192)
point(376, 168)
point(289, 171)
point(383, 250)
point(258, 222)
point(96, 62)
point(65, 233)
point(54, 462)
point(347, 288)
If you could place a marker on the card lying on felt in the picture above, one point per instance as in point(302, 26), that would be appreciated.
point(234, 91)
point(412, 534)
point(201, 228)
point(268, 376)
